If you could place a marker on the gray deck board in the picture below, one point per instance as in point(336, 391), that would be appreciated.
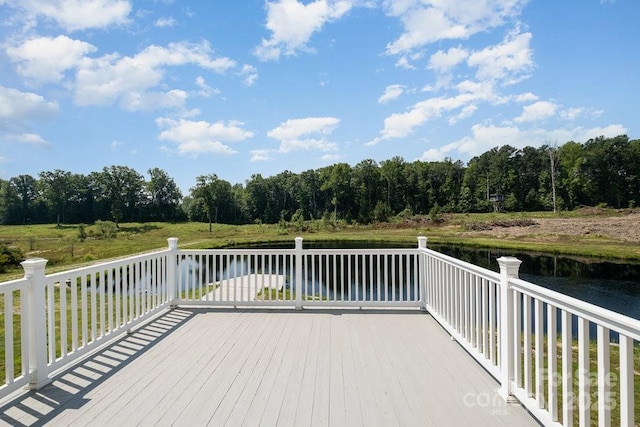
point(274, 367)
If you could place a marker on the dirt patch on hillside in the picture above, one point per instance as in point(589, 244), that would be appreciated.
point(624, 228)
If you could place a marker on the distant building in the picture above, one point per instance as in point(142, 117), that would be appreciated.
point(498, 201)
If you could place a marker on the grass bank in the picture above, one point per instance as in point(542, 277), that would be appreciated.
point(71, 245)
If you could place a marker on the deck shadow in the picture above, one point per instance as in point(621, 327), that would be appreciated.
point(70, 386)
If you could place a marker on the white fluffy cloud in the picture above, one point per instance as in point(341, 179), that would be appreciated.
point(391, 92)
point(165, 22)
point(18, 107)
point(45, 59)
point(509, 61)
point(399, 125)
point(427, 21)
point(571, 113)
point(205, 90)
point(485, 137)
point(131, 81)
point(113, 78)
point(444, 61)
point(18, 110)
point(305, 134)
point(292, 24)
point(249, 73)
point(260, 155)
point(27, 138)
point(196, 137)
point(537, 111)
point(74, 15)
point(504, 63)
point(525, 97)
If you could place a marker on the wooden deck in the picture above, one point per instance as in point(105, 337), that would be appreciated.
point(274, 367)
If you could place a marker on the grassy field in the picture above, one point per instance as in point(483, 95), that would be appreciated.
point(63, 247)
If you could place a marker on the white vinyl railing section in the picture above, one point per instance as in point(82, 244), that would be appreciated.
point(326, 277)
point(565, 360)
point(529, 338)
point(51, 320)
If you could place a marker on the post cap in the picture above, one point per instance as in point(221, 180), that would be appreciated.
point(32, 265)
point(509, 265)
point(173, 242)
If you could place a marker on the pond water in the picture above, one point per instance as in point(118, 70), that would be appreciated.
point(609, 284)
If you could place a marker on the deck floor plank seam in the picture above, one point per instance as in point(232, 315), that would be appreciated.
point(130, 396)
point(321, 407)
point(259, 368)
point(253, 366)
point(306, 395)
point(337, 401)
point(388, 355)
point(260, 397)
point(293, 380)
point(223, 388)
point(153, 391)
point(209, 364)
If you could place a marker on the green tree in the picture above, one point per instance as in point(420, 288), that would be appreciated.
point(338, 182)
point(257, 197)
point(26, 189)
point(10, 211)
point(572, 176)
point(309, 196)
point(366, 179)
point(215, 194)
point(56, 189)
point(164, 195)
point(393, 173)
point(122, 187)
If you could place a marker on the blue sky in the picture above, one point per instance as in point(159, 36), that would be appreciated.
point(243, 87)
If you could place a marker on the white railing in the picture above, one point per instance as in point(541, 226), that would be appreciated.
point(524, 335)
point(51, 320)
point(312, 277)
point(15, 359)
point(550, 330)
point(528, 337)
point(464, 298)
point(235, 277)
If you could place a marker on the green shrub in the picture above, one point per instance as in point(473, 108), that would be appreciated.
point(382, 212)
point(435, 214)
point(297, 219)
point(9, 257)
point(106, 229)
point(82, 232)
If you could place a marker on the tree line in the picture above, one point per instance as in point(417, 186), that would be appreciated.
point(601, 171)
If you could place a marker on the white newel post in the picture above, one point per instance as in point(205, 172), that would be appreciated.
point(172, 276)
point(509, 268)
point(298, 262)
point(422, 244)
point(36, 322)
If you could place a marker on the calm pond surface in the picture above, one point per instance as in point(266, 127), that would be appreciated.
point(609, 284)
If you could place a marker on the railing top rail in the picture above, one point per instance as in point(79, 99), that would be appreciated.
point(601, 316)
point(226, 251)
point(482, 272)
point(13, 285)
point(347, 251)
point(246, 251)
point(105, 265)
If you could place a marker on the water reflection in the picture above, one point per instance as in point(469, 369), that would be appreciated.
point(608, 284)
